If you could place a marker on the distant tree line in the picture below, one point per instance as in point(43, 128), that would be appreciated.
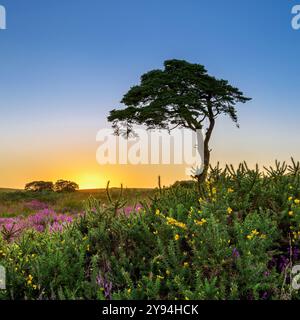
point(58, 186)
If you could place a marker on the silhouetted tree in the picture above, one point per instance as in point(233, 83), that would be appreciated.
point(182, 95)
point(39, 186)
point(65, 186)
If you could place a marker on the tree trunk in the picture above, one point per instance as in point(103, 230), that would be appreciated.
point(206, 152)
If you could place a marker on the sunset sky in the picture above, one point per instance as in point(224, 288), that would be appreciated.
point(65, 64)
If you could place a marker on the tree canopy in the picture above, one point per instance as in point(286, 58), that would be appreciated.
point(39, 186)
point(65, 186)
point(183, 94)
point(59, 186)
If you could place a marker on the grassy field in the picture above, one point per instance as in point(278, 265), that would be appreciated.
point(6, 190)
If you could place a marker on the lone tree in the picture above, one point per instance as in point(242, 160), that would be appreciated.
point(65, 186)
point(182, 95)
point(38, 186)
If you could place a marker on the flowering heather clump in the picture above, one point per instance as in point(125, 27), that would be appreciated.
point(56, 227)
point(36, 205)
point(235, 253)
point(48, 218)
point(105, 285)
point(11, 227)
point(132, 209)
point(40, 221)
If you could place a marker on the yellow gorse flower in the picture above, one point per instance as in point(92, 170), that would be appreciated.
point(29, 279)
point(229, 210)
point(297, 201)
point(174, 222)
point(253, 234)
point(296, 235)
point(201, 222)
point(200, 200)
point(177, 237)
point(291, 213)
point(230, 190)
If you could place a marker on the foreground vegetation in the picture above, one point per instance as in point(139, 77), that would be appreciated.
point(238, 239)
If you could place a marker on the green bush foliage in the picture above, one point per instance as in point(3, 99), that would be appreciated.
point(238, 239)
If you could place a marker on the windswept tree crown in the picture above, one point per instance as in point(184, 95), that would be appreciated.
point(182, 95)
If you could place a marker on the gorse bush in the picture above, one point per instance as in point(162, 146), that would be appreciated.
point(238, 239)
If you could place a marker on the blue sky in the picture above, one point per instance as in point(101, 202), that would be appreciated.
point(64, 64)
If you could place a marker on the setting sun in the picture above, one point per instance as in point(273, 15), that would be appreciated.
point(90, 181)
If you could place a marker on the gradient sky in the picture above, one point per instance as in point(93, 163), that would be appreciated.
point(64, 64)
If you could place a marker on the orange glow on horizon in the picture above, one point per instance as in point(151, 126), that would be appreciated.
point(90, 181)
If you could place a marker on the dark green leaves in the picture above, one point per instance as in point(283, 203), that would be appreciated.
point(182, 94)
